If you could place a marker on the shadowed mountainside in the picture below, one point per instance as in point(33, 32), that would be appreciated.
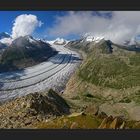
point(23, 52)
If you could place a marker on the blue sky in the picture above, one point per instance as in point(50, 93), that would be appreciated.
point(47, 17)
point(117, 26)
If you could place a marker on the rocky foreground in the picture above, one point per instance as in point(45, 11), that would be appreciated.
point(29, 110)
point(49, 110)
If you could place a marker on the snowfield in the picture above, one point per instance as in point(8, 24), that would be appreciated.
point(53, 73)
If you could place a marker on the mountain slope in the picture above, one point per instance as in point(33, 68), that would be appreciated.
point(109, 77)
point(25, 51)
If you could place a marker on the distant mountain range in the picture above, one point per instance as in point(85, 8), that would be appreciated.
point(58, 41)
point(26, 51)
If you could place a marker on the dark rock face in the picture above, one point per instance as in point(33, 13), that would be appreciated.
point(51, 104)
point(31, 109)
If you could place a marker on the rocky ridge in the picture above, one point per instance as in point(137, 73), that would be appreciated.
point(26, 111)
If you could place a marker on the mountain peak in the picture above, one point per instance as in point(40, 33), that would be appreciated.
point(60, 41)
point(91, 38)
point(4, 35)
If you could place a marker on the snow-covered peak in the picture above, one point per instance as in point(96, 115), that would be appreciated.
point(6, 41)
point(7, 33)
point(98, 39)
point(31, 39)
point(135, 41)
point(60, 41)
point(5, 38)
point(90, 38)
point(4, 35)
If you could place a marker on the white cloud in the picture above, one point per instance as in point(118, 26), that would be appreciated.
point(25, 25)
point(122, 26)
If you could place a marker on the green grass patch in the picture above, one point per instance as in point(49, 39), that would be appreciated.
point(81, 121)
point(109, 71)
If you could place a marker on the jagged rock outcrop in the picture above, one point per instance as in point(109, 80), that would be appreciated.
point(31, 109)
point(112, 123)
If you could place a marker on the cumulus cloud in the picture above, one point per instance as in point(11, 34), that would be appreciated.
point(116, 26)
point(25, 25)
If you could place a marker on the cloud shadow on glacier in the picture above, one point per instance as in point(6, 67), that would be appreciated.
point(65, 58)
point(10, 76)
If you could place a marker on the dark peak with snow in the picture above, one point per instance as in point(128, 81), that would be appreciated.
point(4, 35)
